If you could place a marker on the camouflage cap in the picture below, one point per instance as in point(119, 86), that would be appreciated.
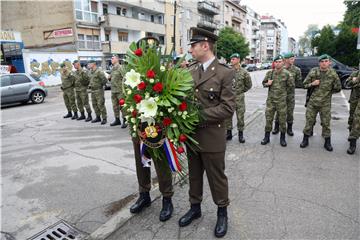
point(323, 57)
point(278, 57)
point(235, 55)
point(288, 55)
point(199, 34)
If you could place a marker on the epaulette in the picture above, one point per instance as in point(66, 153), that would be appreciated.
point(225, 65)
point(193, 63)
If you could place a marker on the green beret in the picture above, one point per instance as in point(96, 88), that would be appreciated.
point(288, 55)
point(62, 65)
point(323, 57)
point(278, 57)
point(92, 61)
point(235, 55)
point(75, 61)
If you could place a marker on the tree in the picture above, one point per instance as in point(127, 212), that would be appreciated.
point(325, 41)
point(306, 40)
point(352, 14)
point(230, 42)
point(345, 45)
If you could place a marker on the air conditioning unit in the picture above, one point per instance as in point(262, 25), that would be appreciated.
point(101, 19)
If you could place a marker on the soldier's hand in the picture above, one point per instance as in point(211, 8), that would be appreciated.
point(269, 82)
point(184, 64)
point(354, 79)
point(316, 82)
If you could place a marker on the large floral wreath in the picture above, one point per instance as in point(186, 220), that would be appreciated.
point(159, 106)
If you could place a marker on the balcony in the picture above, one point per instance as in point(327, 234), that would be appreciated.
point(88, 45)
point(208, 7)
point(255, 36)
point(115, 47)
point(116, 21)
point(153, 5)
point(203, 23)
point(236, 18)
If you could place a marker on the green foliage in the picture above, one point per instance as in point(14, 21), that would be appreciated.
point(230, 42)
point(352, 14)
point(325, 41)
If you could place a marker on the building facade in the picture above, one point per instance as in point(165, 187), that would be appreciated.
point(233, 15)
point(253, 35)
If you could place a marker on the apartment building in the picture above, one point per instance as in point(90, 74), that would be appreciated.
point(233, 15)
point(253, 35)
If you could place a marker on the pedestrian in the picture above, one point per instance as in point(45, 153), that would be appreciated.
point(67, 86)
point(216, 99)
point(324, 81)
point(82, 81)
point(278, 81)
point(97, 84)
point(289, 60)
point(241, 85)
point(354, 96)
point(116, 79)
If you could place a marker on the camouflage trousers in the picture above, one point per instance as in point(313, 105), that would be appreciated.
point(82, 100)
point(290, 106)
point(98, 102)
point(353, 105)
point(115, 97)
point(325, 117)
point(273, 107)
point(240, 111)
point(69, 99)
point(355, 127)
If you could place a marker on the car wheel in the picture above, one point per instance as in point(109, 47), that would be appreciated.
point(343, 85)
point(37, 97)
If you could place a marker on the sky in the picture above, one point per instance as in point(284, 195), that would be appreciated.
point(298, 14)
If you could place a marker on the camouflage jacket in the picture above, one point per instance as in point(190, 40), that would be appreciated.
point(296, 75)
point(116, 78)
point(82, 80)
point(355, 85)
point(282, 80)
point(242, 81)
point(329, 84)
point(97, 79)
point(67, 80)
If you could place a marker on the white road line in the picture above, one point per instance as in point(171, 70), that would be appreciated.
point(346, 101)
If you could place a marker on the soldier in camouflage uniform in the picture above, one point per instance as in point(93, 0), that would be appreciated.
point(354, 119)
point(82, 81)
point(116, 91)
point(325, 82)
point(289, 59)
point(278, 81)
point(242, 84)
point(67, 86)
point(97, 83)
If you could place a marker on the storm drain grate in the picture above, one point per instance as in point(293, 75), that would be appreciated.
point(59, 231)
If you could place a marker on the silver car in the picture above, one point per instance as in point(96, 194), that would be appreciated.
point(21, 87)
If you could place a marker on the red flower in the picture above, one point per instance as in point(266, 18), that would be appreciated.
point(134, 113)
point(121, 101)
point(183, 106)
point(137, 98)
point(150, 74)
point(141, 86)
point(138, 52)
point(180, 150)
point(167, 121)
point(182, 138)
point(158, 87)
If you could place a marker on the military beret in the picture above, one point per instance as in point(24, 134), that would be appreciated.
point(62, 65)
point(235, 55)
point(115, 55)
point(278, 57)
point(323, 57)
point(75, 61)
point(288, 55)
point(92, 61)
point(199, 34)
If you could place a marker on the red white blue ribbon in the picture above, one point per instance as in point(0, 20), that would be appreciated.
point(171, 156)
point(145, 161)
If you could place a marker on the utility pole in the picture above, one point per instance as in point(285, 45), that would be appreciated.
point(174, 26)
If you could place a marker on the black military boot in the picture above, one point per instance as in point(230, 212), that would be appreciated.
point(305, 141)
point(124, 123)
point(192, 214)
point(89, 118)
point(97, 119)
point(289, 129)
point(166, 210)
point(68, 115)
point(82, 117)
point(352, 147)
point(282, 139)
point(266, 139)
point(327, 144)
point(143, 201)
point(228, 135)
point(241, 137)
point(276, 128)
point(115, 122)
point(104, 121)
point(75, 116)
point(221, 223)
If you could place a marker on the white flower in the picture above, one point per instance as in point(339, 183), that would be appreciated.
point(132, 78)
point(127, 118)
point(161, 114)
point(129, 110)
point(133, 134)
point(149, 120)
point(156, 99)
point(137, 106)
point(134, 127)
point(162, 69)
point(124, 105)
point(129, 92)
point(179, 113)
point(147, 95)
point(148, 107)
point(173, 125)
point(185, 113)
point(133, 120)
point(151, 80)
point(184, 116)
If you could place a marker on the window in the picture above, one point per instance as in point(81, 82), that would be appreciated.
point(5, 81)
point(226, 23)
point(118, 10)
point(123, 36)
point(124, 11)
point(19, 79)
point(86, 10)
point(141, 16)
point(107, 36)
point(188, 16)
point(160, 20)
point(105, 9)
point(227, 8)
point(152, 18)
point(162, 40)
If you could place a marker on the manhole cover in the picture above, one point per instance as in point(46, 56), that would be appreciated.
point(59, 231)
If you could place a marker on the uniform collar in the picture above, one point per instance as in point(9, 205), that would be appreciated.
point(206, 64)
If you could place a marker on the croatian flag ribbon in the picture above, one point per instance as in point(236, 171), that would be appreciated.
point(145, 161)
point(171, 156)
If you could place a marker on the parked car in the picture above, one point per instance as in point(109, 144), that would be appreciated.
point(251, 67)
point(307, 63)
point(21, 87)
point(265, 66)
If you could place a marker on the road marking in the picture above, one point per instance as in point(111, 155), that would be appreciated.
point(346, 101)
